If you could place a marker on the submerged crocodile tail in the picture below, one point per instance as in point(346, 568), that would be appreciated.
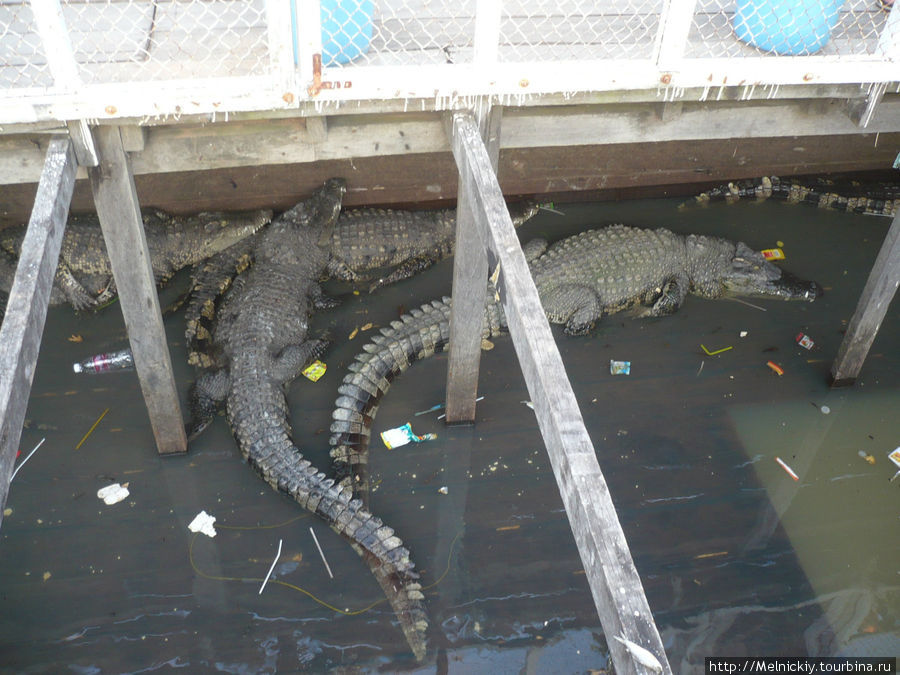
point(415, 336)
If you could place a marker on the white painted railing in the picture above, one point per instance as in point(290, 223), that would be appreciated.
point(106, 59)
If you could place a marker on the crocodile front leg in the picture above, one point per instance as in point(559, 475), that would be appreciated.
point(76, 294)
point(206, 397)
point(673, 294)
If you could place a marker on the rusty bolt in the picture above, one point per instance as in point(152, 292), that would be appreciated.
point(666, 78)
point(111, 110)
point(524, 83)
point(288, 97)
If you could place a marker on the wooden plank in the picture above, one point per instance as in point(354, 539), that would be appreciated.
point(191, 147)
point(48, 18)
point(470, 273)
point(120, 219)
point(615, 584)
point(676, 19)
point(26, 310)
point(873, 305)
point(85, 152)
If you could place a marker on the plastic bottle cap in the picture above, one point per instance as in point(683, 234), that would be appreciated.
point(76, 367)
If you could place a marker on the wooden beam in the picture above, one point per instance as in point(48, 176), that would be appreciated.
point(205, 146)
point(120, 219)
point(873, 305)
point(26, 310)
point(615, 584)
point(470, 272)
point(85, 152)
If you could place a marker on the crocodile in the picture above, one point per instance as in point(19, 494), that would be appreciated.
point(408, 242)
point(84, 276)
point(879, 199)
point(363, 240)
point(260, 333)
point(579, 279)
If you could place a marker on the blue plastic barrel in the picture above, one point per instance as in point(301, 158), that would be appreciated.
point(346, 29)
point(786, 26)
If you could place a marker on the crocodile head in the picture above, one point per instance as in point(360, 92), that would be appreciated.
point(721, 267)
point(521, 212)
point(750, 274)
point(190, 239)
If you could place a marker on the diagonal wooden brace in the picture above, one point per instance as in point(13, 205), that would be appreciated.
point(26, 310)
point(120, 219)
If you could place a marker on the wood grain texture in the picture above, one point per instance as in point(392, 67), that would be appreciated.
point(870, 311)
point(616, 587)
point(120, 220)
point(26, 310)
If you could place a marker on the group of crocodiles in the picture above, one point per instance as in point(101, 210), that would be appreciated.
point(258, 283)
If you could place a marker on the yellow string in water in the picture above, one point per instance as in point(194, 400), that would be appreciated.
point(91, 430)
point(345, 612)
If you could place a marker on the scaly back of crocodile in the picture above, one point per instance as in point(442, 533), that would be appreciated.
point(878, 199)
point(417, 335)
point(261, 329)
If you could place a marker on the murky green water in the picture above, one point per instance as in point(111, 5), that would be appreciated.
point(736, 557)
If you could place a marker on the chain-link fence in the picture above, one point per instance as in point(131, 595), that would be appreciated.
point(207, 45)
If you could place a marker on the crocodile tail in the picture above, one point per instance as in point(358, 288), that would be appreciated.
point(415, 336)
point(282, 466)
point(876, 199)
point(406, 599)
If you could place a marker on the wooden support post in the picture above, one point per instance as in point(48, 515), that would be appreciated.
point(26, 310)
point(873, 305)
point(615, 584)
point(470, 273)
point(120, 219)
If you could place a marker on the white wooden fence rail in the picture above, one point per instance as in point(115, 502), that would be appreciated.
point(64, 60)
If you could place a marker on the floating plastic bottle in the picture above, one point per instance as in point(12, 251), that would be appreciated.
point(106, 362)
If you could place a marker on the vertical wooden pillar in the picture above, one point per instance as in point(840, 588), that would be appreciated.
point(26, 310)
point(470, 273)
point(615, 585)
point(120, 218)
point(873, 305)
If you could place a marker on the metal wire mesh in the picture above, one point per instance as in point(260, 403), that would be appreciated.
point(548, 30)
point(404, 32)
point(117, 41)
point(129, 40)
point(23, 62)
point(755, 27)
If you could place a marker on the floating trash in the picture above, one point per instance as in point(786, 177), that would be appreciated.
point(894, 456)
point(444, 490)
point(394, 438)
point(869, 458)
point(804, 341)
point(789, 470)
point(619, 367)
point(773, 254)
point(717, 351)
point(825, 410)
point(642, 655)
point(113, 494)
point(778, 370)
point(314, 371)
point(105, 363)
point(203, 523)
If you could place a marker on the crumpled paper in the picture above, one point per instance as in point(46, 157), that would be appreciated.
point(113, 494)
point(203, 522)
